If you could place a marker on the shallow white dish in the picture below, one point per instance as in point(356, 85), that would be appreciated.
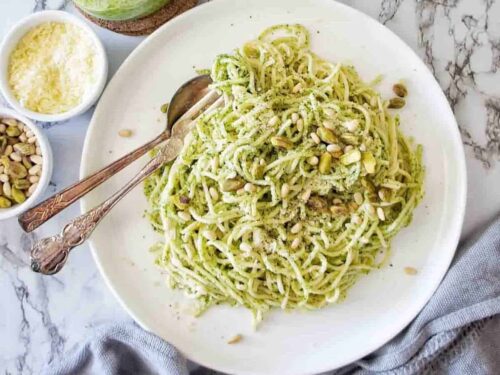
point(379, 305)
point(10, 42)
point(17, 209)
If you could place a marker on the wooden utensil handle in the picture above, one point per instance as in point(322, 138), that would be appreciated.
point(42, 212)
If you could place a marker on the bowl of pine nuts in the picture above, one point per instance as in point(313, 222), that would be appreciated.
point(25, 163)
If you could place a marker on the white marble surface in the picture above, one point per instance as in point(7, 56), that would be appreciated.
point(43, 317)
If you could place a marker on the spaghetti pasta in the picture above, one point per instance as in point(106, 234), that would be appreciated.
point(284, 197)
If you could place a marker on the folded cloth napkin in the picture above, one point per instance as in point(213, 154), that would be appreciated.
point(121, 349)
point(457, 332)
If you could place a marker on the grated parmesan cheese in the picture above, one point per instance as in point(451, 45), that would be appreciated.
point(52, 68)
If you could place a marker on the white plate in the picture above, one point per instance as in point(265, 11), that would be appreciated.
point(381, 304)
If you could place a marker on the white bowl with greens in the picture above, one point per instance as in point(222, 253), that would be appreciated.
point(25, 163)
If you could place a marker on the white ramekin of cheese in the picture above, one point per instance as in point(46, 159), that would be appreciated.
point(52, 66)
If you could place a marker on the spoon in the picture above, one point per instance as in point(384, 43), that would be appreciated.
point(49, 255)
point(184, 98)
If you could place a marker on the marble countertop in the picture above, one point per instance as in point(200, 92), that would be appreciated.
point(44, 317)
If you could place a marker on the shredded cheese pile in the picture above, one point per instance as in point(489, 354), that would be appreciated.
point(52, 68)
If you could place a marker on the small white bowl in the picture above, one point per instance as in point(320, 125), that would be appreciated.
point(10, 42)
point(17, 209)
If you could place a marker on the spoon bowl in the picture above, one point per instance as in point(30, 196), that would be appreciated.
point(186, 96)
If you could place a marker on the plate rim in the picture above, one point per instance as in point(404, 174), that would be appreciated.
point(460, 188)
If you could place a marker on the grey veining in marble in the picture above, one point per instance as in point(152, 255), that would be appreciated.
point(41, 317)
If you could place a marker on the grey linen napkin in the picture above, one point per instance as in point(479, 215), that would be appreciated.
point(457, 332)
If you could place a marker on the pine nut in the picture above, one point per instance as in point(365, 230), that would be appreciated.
point(358, 198)
point(300, 125)
point(306, 195)
point(273, 121)
point(295, 117)
point(295, 243)
point(297, 88)
point(234, 340)
point(355, 219)
point(184, 215)
point(285, 189)
point(32, 188)
point(215, 163)
point(313, 160)
point(16, 157)
point(296, 228)
point(7, 190)
point(37, 159)
point(383, 194)
point(369, 209)
point(315, 138)
point(410, 271)
point(380, 213)
point(333, 148)
point(32, 140)
point(35, 170)
point(214, 193)
point(125, 133)
point(250, 188)
point(351, 125)
point(329, 124)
